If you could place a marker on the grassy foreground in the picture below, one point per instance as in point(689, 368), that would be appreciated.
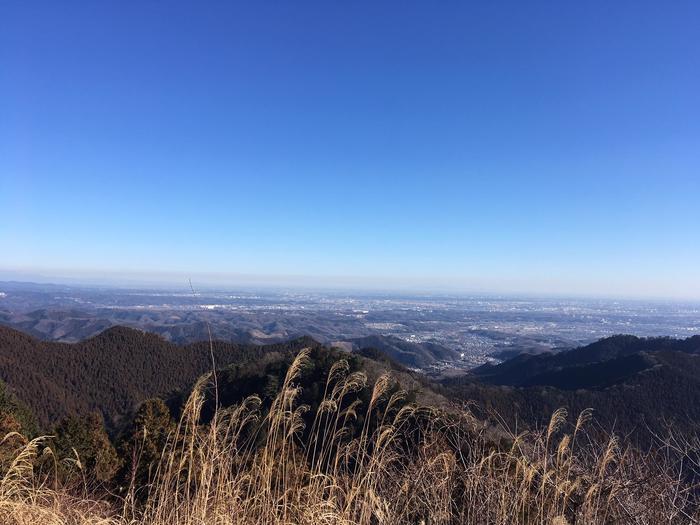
point(402, 464)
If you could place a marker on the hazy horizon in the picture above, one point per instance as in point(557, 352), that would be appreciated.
point(327, 284)
point(541, 149)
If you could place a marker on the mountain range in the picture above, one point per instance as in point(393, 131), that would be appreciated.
point(113, 372)
point(634, 385)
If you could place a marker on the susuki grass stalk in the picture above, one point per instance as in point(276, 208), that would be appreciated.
point(405, 464)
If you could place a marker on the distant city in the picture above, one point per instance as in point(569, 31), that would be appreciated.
point(472, 330)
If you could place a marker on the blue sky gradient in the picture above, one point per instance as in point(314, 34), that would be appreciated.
point(549, 147)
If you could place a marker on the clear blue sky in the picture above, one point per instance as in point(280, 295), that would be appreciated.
point(533, 146)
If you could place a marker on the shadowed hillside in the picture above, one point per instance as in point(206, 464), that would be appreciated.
point(633, 384)
point(599, 364)
point(112, 372)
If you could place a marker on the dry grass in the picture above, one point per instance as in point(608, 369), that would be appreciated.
point(404, 464)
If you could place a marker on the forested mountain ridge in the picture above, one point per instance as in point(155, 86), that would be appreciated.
point(602, 363)
point(635, 385)
point(115, 371)
point(304, 412)
point(112, 372)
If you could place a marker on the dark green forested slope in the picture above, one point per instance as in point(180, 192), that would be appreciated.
point(112, 372)
point(579, 368)
point(633, 384)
